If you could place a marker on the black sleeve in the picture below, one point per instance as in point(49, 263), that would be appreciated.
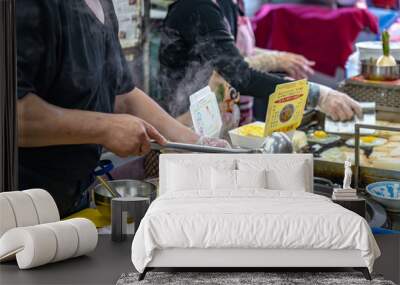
point(36, 45)
point(126, 84)
point(206, 29)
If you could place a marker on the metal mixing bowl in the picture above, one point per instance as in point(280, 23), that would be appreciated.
point(371, 71)
point(125, 188)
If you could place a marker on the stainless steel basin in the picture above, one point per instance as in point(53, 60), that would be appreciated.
point(126, 188)
point(371, 71)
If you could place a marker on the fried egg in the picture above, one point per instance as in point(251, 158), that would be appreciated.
point(322, 137)
point(367, 141)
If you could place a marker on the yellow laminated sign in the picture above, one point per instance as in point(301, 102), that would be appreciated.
point(286, 107)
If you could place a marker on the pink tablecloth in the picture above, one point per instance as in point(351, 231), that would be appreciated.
point(321, 34)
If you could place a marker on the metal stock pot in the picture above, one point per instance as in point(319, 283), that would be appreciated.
point(371, 71)
point(125, 188)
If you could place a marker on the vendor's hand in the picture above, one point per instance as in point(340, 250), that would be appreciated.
point(128, 135)
point(338, 105)
point(213, 142)
point(296, 66)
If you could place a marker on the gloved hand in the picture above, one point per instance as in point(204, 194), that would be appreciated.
point(296, 66)
point(338, 105)
point(213, 142)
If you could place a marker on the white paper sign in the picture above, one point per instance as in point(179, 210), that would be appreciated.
point(205, 113)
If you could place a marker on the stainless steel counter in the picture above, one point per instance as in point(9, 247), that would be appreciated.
point(103, 266)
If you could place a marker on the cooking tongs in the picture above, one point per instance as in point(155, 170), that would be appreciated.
point(200, 148)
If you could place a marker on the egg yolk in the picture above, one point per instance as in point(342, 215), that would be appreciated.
point(368, 139)
point(252, 130)
point(320, 134)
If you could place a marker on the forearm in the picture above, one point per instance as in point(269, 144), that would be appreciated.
point(265, 60)
point(260, 62)
point(139, 104)
point(268, 60)
point(185, 119)
point(236, 71)
point(258, 51)
point(43, 124)
point(314, 94)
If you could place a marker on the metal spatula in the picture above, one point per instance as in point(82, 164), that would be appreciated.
point(276, 143)
point(199, 148)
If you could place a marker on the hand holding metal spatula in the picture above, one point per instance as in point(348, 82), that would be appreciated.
point(276, 143)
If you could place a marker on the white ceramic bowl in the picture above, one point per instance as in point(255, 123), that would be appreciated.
point(248, 142)
point(387, 193)
point(373, 49)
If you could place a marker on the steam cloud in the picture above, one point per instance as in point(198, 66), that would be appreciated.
point(180, 81)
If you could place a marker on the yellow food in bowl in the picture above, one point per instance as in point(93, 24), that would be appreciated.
point(368, 139)
point(320, 134)
point(252, 130)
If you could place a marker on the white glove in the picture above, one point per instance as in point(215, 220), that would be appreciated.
point(296, 66)
point(338, 105)
point(213, 142)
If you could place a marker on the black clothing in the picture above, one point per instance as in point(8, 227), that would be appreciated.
point(231, 13)
point(197, 38)
point(72, 60)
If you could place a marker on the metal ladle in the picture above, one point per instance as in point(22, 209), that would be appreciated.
point(276, 143)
